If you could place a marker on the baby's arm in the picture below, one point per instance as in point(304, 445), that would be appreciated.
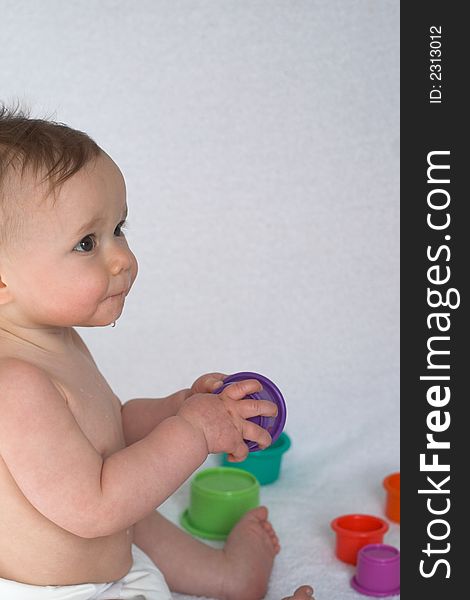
point(141, 415)
point(67, 480)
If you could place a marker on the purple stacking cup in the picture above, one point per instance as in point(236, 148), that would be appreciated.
point(273, 425)
point(378, 571)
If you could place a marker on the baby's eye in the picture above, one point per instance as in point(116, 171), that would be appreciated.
point(119, 229)
point(87, 244)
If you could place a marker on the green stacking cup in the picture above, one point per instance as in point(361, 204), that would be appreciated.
point(265, 465)
point(219, 497)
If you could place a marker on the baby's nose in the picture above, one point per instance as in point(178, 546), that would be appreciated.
point(121, 260)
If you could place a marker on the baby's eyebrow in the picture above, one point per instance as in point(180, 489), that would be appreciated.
point(88, 226)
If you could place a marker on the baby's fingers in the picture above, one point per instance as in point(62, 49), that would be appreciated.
point(208, 383)
point(255, 433)
point(254, 408)
point(240, 389)
point(239, 454)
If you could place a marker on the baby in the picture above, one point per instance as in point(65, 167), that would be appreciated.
point(81, 474)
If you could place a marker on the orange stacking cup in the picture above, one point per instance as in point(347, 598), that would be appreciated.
point(392, 507)
point(355, 531)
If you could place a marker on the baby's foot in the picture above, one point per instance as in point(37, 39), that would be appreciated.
point(249, 555)
point(305, 592)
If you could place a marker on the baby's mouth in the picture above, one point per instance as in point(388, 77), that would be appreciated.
point(119, 296)
point(123, 293)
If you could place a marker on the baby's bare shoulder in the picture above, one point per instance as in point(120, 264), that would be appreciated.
point(22, 381)
point(12, 367)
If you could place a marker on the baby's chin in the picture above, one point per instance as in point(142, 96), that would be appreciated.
point(105, 314)
point(113, 310)
point(105, 322)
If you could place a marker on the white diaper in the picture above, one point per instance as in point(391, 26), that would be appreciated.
point(143, 582)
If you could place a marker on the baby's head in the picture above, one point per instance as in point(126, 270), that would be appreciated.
point(64, 259)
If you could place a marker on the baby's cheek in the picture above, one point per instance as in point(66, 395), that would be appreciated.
point(81, 295)
point(88, 293)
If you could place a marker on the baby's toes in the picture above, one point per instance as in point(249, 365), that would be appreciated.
point(268, 527)
point(272, 535)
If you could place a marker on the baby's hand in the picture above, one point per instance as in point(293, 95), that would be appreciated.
point(205, 384)
point(222, 418)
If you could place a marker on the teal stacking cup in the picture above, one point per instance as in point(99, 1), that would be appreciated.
point(265, 465)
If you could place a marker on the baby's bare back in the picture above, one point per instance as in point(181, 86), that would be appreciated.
point(34, 549)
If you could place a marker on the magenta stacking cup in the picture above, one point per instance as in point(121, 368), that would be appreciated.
point(378, 571)
point(273, 425)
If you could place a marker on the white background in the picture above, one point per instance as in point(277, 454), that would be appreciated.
point(260, 145)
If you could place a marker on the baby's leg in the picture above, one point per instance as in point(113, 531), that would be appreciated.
point(240, 570)
point(188, 565)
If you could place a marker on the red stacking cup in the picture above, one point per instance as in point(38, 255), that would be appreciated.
point(355, 531)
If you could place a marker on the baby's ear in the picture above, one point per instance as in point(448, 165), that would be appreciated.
point(5, 295)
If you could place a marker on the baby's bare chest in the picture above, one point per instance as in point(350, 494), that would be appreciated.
point(96, 409)
point(90, 399)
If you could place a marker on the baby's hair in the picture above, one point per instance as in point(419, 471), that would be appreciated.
point(40, 147)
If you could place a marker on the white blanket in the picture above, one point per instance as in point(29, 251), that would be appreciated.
point(314, 488)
